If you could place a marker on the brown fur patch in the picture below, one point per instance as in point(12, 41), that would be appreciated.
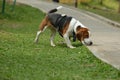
point(82, 33)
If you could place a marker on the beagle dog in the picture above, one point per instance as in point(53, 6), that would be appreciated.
point(66, 26)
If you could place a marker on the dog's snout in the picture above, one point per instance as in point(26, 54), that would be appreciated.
point(88, 42)
point(91, 43)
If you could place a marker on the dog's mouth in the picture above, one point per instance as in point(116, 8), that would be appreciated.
point(87, 42)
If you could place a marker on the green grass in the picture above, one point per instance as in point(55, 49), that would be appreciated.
point(113, 4)
point(108, 9)
point(108, 14)
point(21, 59)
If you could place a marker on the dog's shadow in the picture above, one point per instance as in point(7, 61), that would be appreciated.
point(78, 44)
point(75, 44)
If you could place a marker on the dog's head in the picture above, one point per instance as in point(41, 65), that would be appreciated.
point(83, 35)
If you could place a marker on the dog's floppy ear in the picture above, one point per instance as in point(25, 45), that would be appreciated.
point(80, 33)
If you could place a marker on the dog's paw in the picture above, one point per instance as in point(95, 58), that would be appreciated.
point(72, 47)
point(36, 41)
point(53, 45)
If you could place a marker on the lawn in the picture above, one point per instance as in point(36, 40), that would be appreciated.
point(109, 9)
point(21, 59)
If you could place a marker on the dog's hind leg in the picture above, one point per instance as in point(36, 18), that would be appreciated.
point(37, 37)
point(52, 37)
point(43, 26)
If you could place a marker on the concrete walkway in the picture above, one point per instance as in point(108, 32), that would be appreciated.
point(106, 37)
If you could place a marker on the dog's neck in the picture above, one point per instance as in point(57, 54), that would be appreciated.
point(78, 24)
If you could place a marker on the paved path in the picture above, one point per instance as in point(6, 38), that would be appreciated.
point(106, 38)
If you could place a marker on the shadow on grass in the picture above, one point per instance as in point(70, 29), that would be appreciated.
point(75, 44)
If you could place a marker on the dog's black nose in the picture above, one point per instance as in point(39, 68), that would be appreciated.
point(91, 43)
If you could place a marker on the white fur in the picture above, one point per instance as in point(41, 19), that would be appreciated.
point(80, 24)
point(87, 41)
point(59, 7)
point(69, 33)
point(74, 24)
point(63, 14)
point(67, 40)
point(52, 38)
point(37, 36)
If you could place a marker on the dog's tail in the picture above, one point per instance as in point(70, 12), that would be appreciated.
point(55, 10)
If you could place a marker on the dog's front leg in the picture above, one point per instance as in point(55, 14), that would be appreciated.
point(67, 40)
point(52, 38)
